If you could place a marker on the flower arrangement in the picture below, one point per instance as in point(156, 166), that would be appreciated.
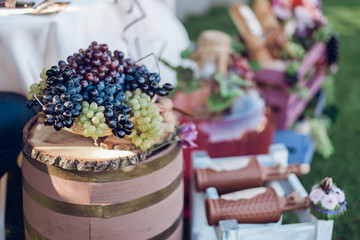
point(306, 13)
point(327, 200)
point(225, 86)
point(305, 24)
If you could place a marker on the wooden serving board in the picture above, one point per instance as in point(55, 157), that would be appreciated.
point(74, 152)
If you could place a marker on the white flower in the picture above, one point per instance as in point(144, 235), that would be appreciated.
point(329, 201)
point(303, 17)
point(316, 194)
point(315, 186)
point(281, 12)
point(339, 194)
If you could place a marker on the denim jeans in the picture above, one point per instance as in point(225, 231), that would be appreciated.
point(13, 117)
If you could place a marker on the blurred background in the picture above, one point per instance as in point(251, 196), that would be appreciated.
point(343, 165)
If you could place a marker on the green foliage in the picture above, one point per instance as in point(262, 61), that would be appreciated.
point(293, 68)
point(323, 34)
point(325, 216)
point(308, 74)
point(254, 65)
point(186, 53)
point(237, 46)
point(230, 87)
point(329, 89)
point(186, 80)
point(319, 127)
point(217, 18)
point(296, 49)
point(303, 92)
point(217, 103)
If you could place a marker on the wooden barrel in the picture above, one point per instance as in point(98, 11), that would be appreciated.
point(66, 196)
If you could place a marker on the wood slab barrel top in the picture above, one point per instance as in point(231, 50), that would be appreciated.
point(73, 152)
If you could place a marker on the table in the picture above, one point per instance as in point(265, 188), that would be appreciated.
point(30, 42)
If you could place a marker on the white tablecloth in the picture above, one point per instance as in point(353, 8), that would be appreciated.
point(28, 43)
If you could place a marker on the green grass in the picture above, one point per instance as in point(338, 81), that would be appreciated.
point(344, 165)
point(216, 19)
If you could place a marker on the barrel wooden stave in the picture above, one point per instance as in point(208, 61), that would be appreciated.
point(177, 235)
point(138, 187)
point(52, 225)
point(161, 215)
point(54, 187)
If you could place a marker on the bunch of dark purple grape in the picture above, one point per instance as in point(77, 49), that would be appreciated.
point(95, 75)
point(97, 64)
point(61, 98)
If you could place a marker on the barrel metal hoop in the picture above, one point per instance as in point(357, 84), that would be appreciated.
point(163, 235)
point(121, 174)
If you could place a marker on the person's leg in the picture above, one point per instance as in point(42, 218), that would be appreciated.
point(13, 117)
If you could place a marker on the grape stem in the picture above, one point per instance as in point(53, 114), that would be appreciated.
point(183, 112)
point(155, 57)
point(174, 138)
point(153, 100)
point(37, 99)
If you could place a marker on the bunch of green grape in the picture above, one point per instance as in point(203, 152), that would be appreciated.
point(146, 118)
point(37, 89)
point(92, 119)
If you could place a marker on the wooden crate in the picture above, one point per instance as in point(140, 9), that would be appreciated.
point(308, 228)
point(287, 107)
point(258, 131)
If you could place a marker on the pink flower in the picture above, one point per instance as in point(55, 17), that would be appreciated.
point(316, 195)
point(339, 194)
point(329, 201)
point(188, 135)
